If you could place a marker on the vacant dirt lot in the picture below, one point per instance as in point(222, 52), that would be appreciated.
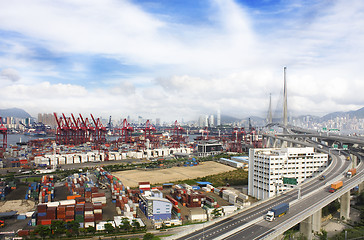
point(22, 206)
point(133, 177)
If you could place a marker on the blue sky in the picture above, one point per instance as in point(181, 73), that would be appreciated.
point(180, 59)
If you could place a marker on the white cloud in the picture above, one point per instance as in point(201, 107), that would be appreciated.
point(9, 74)
point(226, 62)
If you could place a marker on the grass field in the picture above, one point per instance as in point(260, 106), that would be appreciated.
point(131, 178)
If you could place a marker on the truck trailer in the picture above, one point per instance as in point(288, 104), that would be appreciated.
point(277, 211)
point(351, 172)
point(335, 186)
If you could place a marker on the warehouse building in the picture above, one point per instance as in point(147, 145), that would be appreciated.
point(271, 169)
point(155, 207)
point(210, 147)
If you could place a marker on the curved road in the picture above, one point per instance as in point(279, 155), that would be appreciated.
point(255, 214)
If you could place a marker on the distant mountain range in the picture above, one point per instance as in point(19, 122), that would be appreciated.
point(14, 112)
point(358, 114)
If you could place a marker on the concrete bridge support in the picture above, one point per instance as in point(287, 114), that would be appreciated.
point(345, 206)
point(275, 143)
point(361, 187)
point(306, 228)
point(316, 221)
point(270, 142)
point(354, 159)
point(311, 224)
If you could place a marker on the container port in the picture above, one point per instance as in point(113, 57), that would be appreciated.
point(95, 197)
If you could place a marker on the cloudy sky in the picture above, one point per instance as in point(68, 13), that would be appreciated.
point(182, 58)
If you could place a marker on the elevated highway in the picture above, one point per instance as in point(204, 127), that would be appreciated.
point(314, 195)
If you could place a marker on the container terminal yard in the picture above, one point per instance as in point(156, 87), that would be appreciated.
point(93, 198)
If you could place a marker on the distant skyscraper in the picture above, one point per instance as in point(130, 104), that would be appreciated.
point(157, 121)
point(218, 120)
point(211, 121)
point(47, 119)
point(200, 121)
point(140, 120)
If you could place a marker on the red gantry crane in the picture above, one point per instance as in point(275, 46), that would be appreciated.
point(126, 131)
point(72, 130)
point(153, 140)
point(177, 138)
point(235, 144)
point(88, 128)
point(62, 132)
point(100, 131)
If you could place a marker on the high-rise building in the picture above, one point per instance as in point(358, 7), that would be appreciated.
point(211, 120)
point(140, 120)
point(269, 166)
point(157, 121)
point(47, 119)
point(201, 121)
point(218, 118)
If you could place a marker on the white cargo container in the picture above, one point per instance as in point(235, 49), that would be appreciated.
point(228, 209)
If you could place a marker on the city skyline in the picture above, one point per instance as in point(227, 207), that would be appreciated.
point(182, 59)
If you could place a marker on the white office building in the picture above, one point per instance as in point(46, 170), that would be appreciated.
point(268, 167)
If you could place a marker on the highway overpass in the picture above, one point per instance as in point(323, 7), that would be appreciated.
point(314, 195)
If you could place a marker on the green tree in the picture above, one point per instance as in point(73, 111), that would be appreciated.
point(136, 225)
point(125, 225)
point(74, 227)
point(322, 235)
point(58, 228)
point(43, 231)
point(109, 228)
point(148, 236)
point(216, 212)
point(91, 230)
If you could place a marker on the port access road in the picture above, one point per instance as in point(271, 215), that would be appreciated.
point(249, 224)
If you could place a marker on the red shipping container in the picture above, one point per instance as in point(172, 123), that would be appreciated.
point(95, 195)
point(89, 219)
point(23, 233)
point(98, 216)
point(70, 213)
point(97, 205)
point(42, 208)
point(70, 208)
point(89, 206)
point(46, 222)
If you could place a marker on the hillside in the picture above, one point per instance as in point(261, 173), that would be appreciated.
point(14, 112)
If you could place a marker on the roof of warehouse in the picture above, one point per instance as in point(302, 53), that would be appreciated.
point(8, 214)
point(203, 183)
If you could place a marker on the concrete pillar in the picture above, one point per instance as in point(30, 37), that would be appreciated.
point(361, 187)
point(316, 221)
point(345, 206)
point(275, 143)
point(269, 142)
point(354, 160)
point(284, 144)
point(306, 228)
